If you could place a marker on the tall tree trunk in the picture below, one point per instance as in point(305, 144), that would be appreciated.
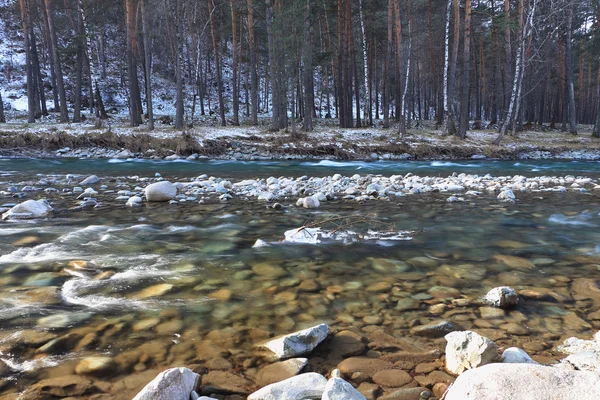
point(446, 64)
point(402, 124)
point(147, 63)
point(234, 79)
point(2, 116)
point(452, 95)
point(79, 69)
point(275, 92)
point(309, 96)
point(50, 56)
point(25, 19)
point(569, 69)
point(78, 78)
point(179, 109)
point(518, 78)
point(386, 66)
point(219, 72)
point(398, 71)
point(507, 55)
point(596, 130)
point(253, 62)
point(135, 115)
point(466, 89)
point(368, 118)
point(41, 96)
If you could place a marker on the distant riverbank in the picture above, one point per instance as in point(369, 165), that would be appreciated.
point(83, 140)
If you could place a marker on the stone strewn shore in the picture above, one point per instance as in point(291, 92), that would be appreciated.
point(310, 192)
point(483, 373)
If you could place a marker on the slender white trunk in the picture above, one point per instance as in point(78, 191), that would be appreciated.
point(446, 65)
point(513, 107)
point(367, 117)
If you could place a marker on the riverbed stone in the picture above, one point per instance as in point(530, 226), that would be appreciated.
point(63, 386)
point(515, 262)
point(28, 209)
point(98, 366)
point(280, 371)
point(392, 378)
point(269, 270)
point(338, 389)
point(434, 329)
point(467, 350)
point(60, 321)
point(90, 180)
point(365, 365)
point(226, 382)
point(406, 394)
point(516, 356)
point(304, 386)
point(154, 291)
point(297, 343)
point(520, 381)
point(172, 384)
point(503, 297)
point(160, 191)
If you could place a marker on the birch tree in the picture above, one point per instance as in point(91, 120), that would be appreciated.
point(518, 76)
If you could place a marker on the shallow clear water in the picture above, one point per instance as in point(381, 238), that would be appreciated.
point(172, 275)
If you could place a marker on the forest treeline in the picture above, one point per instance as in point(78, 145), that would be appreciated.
point(511, 63)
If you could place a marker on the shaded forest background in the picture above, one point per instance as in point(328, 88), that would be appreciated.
point(466, 64)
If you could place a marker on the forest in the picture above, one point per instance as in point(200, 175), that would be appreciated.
point(466, 64)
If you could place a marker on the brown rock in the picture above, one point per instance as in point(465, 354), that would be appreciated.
point(64, 386)
point(221, 295)
point(404, 394)
point(439, 389)
point(585, 288)
point(219, 363)
point(433, 378)
point(392, 378)
point(279, 371)
point(309, 285)
point(364, 365)
point(345, 344)
point(514, 329)
point(207, 350)
point(369, 390)
point(416, 357)
point(379, 287)
point(379, 340)
point(425, 368)
point(97, 366)
point(226, 382)
point(519, 263)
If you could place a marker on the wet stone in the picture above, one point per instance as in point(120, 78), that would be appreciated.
point(392, 378)
point(364, 365)
point(280, 371)
point(226, 382)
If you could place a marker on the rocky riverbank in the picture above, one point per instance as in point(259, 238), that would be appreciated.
point(257, 143)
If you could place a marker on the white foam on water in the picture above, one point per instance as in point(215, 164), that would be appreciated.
point(564, 220)
point(452, 164)
point(32, 365)
point(72, 288)
point(39, 253)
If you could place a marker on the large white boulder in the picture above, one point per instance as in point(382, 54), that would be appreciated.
point(503, 297)
point(160, 191)
point(297, 343)
point(524, 382)
point(172, 384)
point(583, 354)
point(90, 180)
point(28, 209)
point(339, 389)
point(467, 350)
point(305, 386)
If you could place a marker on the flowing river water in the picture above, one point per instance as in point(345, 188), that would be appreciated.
point(181, 284)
